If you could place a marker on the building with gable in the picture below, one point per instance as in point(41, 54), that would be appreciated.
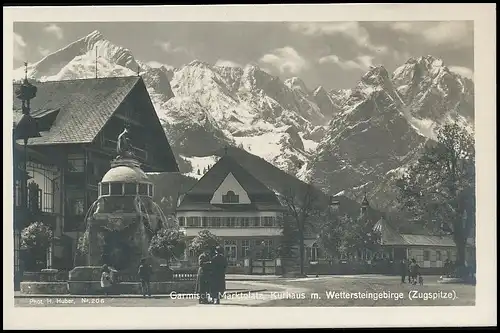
point(235, 206)
point(79, 122)
point(430, 251)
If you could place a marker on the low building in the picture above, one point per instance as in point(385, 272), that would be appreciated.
point(429, 251)
point(236, 207)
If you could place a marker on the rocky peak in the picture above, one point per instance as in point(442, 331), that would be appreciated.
point(296, 83)
point(319, 91)
point(376, 76)
point(199, 63)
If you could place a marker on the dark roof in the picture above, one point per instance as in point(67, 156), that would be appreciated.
point(204, 189)
point(390, 237)
point(84, 105)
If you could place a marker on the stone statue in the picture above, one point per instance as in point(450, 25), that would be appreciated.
point(123, 147)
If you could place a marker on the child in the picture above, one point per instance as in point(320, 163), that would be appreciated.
point(105, 279)
point(420, 279)
point(144, 272)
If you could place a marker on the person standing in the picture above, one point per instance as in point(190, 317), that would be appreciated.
point(202, 279)
point(145, 271)
point(404, 269)
point(105, 279)
point(218, 281)
point(414, 271)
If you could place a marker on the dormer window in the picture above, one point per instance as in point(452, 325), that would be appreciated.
point(230, 197)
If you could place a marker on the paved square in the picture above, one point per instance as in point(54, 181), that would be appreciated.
point(335, 291)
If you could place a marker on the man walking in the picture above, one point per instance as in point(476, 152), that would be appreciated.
point(145, 271)
point(218, 277)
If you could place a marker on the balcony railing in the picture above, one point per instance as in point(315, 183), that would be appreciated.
point(110, 145)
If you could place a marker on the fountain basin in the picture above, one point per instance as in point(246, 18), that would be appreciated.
point(94, 288)
point(44, 288)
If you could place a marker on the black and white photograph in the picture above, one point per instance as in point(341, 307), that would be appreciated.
point(235, 164)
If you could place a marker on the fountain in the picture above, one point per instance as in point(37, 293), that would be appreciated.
point(119, 226)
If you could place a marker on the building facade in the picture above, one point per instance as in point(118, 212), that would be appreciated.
point(236, 207)
point(79, 122)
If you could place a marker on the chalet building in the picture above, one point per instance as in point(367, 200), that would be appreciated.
point(430, 251)
point(79, 122)
point(233, 205)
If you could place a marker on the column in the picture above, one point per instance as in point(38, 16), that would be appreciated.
point(49, 255)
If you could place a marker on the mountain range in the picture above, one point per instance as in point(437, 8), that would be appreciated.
point(348, 142)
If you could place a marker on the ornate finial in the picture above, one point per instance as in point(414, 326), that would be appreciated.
point(138, 70)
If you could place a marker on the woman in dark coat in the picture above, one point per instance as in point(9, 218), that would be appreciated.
point(203, 278)
point(218, 276)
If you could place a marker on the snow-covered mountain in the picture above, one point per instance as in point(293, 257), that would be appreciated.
point(346, 140)
point(383, 124)
point(202, 106)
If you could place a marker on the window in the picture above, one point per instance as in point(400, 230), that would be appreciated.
point(43, 177)
point(193, 221)
point(182, 221)
point(143, 189)
point(76, 163)
point(427, 255)
point(116, 189)
point(256, 221)
point(130, 189)
point(245, 222)
point(314, 252)
point(448, 255)
point(77, 206)
point(267, 221)
point(204, 222)
point(105, 189)
point(438, 256)
point(17, 194)
point(34, 197)
point(264, 248)
point(230, 251)
point(150, 190)
point(230, 197)
point(245, 248)
point(216, 222)
point(227, 221)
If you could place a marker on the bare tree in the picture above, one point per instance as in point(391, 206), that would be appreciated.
point(303, 208)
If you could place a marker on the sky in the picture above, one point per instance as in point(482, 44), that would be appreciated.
point(331, 54)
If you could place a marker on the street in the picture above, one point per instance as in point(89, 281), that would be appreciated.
point(336, 291)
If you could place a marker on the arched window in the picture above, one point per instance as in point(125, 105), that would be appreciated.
point(230, 197)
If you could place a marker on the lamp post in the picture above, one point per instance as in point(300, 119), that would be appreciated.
point(25, 129)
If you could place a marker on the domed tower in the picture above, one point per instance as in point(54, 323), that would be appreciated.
point(124, 218)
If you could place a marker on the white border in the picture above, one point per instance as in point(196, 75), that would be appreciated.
point(484, 313)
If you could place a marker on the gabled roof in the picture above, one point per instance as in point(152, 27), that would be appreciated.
point(203, 190)
point(85, 106)
point(388, 235)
